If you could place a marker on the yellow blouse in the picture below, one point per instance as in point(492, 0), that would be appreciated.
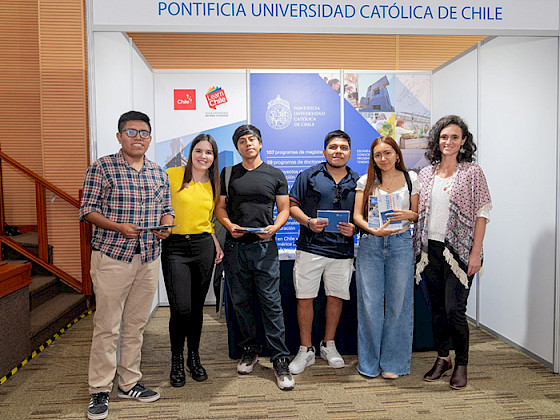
point(193, 205)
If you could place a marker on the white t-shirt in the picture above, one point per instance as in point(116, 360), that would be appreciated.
point(361, 185)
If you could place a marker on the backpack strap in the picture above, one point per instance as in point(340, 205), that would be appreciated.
point(227, 177)
point(409, 184)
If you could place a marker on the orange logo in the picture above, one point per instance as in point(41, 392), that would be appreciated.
point(184, 99)
point(215, 96)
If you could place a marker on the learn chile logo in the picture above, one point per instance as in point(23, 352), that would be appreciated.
point(215, 96)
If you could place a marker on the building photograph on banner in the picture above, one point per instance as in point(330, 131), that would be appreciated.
point(294, 112)
point(388, 104)
point(188, 104)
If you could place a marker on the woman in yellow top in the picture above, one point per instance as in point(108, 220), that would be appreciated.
point(190, 253)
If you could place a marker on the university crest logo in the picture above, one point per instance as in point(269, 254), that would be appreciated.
point(278, 113)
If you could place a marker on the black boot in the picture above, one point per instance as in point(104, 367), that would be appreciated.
point(194, 367)
point(177, 375)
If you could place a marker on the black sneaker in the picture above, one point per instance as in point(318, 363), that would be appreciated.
point(284, 378)
point(248, 360)
point(139, 392)
point(98, 406)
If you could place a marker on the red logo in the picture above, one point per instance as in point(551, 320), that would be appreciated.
point(215, 96)
point(184, 99)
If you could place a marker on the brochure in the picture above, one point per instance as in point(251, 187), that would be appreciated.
point(334, 217)
point(373, 213)
point(254, 229)
point(386, 203)
point(160, 227)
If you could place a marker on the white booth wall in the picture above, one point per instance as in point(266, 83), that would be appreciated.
point(514, 82)
point(122, 81)
point(454, 90)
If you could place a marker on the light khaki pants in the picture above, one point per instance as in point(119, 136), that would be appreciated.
point(124, 294)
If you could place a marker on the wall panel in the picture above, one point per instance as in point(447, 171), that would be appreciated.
point(63, 83)
point(20, 111)
point(518, 149)
point(298, 51)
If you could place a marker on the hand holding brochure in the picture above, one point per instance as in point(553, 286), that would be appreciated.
point(334, 217)
point(160, 227)
point(254, 229)
point(386, 203)
point(373, 213)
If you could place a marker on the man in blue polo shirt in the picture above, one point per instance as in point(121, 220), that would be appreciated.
point(323, 254)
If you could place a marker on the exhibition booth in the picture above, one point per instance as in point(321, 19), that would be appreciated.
point(506, 88)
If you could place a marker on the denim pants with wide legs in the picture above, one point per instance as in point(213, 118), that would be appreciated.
point(385, 287)
point(249, 266)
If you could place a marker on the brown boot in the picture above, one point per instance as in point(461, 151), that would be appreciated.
point(459, 377)
point(441, 368)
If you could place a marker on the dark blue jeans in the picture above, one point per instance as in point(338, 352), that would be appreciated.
point(252, 267)
point(187, 262)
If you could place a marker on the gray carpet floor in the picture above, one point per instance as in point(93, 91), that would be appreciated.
point(503, 384)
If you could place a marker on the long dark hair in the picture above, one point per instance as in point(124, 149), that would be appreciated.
point(433, 152)
point(374, 172)
point(213, 172)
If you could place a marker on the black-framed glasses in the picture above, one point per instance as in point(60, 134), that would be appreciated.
point(337, 194)
point(132, 132)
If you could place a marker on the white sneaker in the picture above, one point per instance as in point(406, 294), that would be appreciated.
point(331, 354)
point(304, 357)
point(284, 378)
point(248, 360)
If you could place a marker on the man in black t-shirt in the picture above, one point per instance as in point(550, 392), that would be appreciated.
point(246, 207)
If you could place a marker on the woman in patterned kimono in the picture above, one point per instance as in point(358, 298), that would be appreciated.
point(453, 211)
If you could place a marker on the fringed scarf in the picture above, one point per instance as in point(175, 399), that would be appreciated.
point(468, 195)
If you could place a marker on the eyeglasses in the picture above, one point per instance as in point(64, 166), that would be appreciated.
point(132, 132)
point(337, 194)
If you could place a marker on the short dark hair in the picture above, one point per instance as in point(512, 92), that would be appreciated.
point(335, 134)
point(133, 116)
point(433, 152)
point(245, 129)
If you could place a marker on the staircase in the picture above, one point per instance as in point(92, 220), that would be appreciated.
point(52, 304)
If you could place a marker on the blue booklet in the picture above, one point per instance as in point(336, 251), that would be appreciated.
point(334, 217)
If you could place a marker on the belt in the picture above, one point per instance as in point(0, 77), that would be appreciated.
point(190, 235)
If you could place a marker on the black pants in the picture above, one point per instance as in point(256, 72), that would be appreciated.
point(256, 267)
point(448, 297)
point(187, 262)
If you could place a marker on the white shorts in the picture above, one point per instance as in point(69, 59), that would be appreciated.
point(336, 274)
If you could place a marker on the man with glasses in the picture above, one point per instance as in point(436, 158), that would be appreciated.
point(246, 209)
point(126, 197)
point(323, 251)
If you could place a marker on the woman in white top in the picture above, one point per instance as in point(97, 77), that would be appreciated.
point(385, 263)
point(453, 211)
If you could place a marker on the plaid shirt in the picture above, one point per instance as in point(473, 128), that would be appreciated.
point(119, 192)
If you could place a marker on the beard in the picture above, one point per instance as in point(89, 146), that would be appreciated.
point(336, 166)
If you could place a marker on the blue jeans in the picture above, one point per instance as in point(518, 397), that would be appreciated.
point(385, 287)
point(249, 267)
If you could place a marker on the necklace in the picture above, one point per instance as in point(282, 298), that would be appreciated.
point(388, 187)
point(448, 182)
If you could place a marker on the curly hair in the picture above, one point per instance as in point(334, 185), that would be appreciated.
point(433, 152)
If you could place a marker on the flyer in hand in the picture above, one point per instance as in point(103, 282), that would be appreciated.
point(334, 217)
point(386, 203)
point(373, 213)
